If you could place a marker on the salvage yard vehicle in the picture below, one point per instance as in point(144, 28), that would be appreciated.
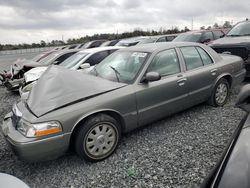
point(93, 44)
point(131, 88)
point(82, 59)
point(18, 70)
point(159, 38)
point(232, 170)
point(236, 42)
point(201, 36)
point(110, 43)
point(131, 41)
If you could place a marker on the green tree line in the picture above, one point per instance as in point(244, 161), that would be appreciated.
point(107, 36)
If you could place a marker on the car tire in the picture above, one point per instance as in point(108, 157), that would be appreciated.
point(220, 93)
point(97, 138)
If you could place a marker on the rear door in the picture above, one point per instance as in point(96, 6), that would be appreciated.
point(200, 71)
point(165, 96)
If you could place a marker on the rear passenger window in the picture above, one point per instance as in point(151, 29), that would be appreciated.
point(165, 63)
point(191, 57)
point(63, 57)
point(162, 39)
point(218, 34)
point(97, 57)
point(204, 56)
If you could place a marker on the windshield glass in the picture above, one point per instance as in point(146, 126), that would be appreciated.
point(192, 37)
point(126, 43)
point(240, 29)
point(48, 59)
point(120, 66)
point(146, 41)
point(73, 60)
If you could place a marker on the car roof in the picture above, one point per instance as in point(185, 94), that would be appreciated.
point(59, 52)
point(201, 31)
point(98, 49)
point(134, 39)
point(155, 47)
point(158, 36)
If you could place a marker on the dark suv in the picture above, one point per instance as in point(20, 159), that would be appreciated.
point(201, 36)
point(236, 42)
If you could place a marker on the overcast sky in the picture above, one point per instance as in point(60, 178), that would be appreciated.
point(27, 21)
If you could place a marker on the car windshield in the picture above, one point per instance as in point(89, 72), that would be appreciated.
point(47, 59)
point(241, 29)
point(73, 60)
point(121, 66)
point(146, 41)
point(193, 37)
point(127, 43)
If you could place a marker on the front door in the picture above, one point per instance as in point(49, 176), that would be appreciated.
point(163, 97)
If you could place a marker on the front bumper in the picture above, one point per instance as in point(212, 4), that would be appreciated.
point(13, 85)
point(33, 149)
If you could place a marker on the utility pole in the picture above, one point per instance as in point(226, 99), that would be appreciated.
point(192, 24)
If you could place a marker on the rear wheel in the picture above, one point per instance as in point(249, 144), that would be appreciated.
point(220, 93)
point(97, 138)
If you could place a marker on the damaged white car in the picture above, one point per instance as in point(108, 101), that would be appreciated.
point(83, 60)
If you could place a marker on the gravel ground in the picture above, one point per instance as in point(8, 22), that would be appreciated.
point(178, 151)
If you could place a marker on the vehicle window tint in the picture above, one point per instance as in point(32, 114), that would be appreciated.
point(97, 57)
point(204, 56)
point(170, 38)
point(162, 39)
point(191, 57)
point(63, 57)
point(165, 63)
point(207, 36)
point(218, 34)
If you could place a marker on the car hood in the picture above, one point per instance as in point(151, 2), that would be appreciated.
point(28, 63)
point(59, 87)
point(231, 40)
point(34, 74)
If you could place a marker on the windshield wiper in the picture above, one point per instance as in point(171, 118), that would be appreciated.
point(116, 73)
point(233, 35)
point(248, 34)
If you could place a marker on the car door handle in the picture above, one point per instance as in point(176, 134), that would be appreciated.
point(213, 72)
point(182, 81)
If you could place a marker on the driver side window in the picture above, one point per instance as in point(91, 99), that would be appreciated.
point(165, 63)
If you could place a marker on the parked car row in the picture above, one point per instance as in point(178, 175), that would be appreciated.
point(120, 88)
point(90, 110)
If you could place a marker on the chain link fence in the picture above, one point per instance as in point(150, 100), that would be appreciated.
point(23, 51)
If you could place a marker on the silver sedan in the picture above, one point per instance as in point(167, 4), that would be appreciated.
point(129, 89)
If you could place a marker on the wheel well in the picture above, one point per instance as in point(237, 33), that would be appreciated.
point(229, 79)
point(113, 114)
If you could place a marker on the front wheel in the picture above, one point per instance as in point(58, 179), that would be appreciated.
point(97, 138)
point(220, 93)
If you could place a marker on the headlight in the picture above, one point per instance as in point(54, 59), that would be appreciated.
point(39, 129)
point(28, 87)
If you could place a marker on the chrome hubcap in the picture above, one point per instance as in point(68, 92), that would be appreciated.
point(221, 93)
point(100, 140)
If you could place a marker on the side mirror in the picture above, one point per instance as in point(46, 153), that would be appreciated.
point(55, 62)
point(152, 76)
point(84, 65)
point(243, 99)
point(222, 36)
